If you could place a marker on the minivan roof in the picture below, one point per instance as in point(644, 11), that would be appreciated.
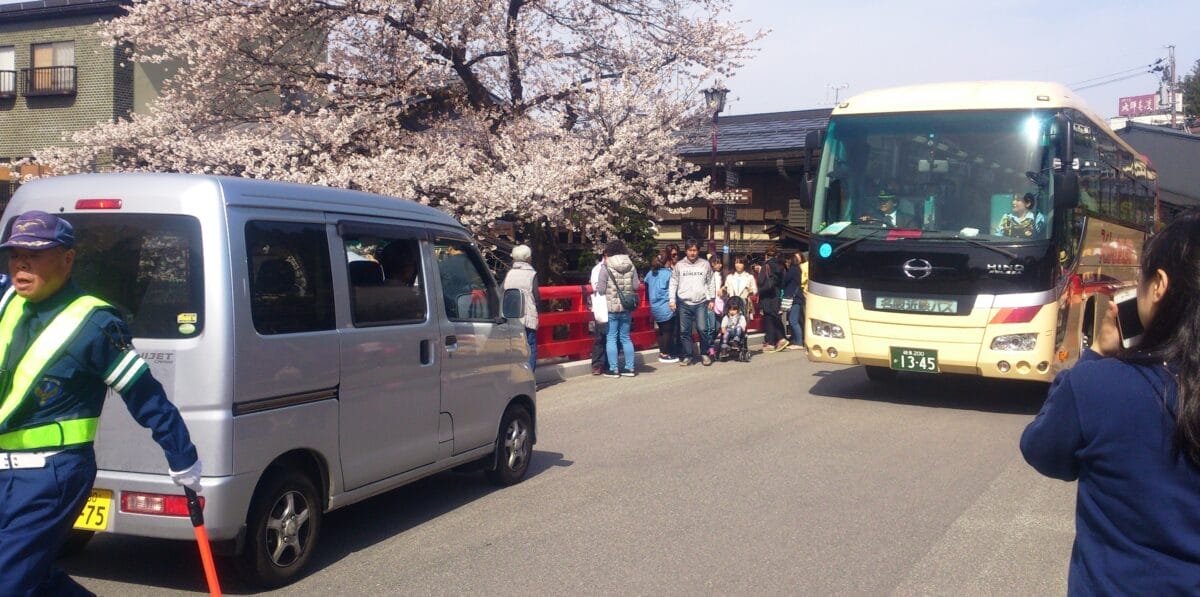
point(232, 191)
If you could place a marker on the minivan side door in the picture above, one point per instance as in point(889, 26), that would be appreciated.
point(390, 393)
point(477, 370)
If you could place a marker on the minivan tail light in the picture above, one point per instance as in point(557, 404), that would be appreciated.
point(98, 204)
point(155, 503)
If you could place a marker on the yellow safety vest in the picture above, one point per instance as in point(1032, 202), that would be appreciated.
point(40, 353)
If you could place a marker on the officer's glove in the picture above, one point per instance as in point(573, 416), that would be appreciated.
point(188, 477)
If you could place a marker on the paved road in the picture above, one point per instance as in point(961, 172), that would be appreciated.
point(774, 477)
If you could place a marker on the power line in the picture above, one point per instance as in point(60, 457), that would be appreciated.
point(1141, 69)
point(1102, 83)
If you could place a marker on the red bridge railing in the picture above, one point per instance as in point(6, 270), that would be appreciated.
point(564, 315)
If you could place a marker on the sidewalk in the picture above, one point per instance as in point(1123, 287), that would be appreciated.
point(553, 372)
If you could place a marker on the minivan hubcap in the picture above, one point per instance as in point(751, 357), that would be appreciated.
point(287, 528)
point(516, 444)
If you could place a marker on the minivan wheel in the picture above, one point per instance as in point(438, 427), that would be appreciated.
point(879, 373)
point(514, 447)
point(281, 529)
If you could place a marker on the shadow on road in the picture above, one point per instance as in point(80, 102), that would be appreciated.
point(175, 565)
point(935, 391)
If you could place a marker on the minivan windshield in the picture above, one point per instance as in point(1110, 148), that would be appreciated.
point(148, 266)
point(982, 175)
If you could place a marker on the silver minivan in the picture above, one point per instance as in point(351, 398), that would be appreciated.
point(323, 346)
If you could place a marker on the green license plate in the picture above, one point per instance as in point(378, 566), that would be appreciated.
point(921, 360)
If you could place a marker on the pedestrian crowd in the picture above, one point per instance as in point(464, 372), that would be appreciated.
point(701, 311)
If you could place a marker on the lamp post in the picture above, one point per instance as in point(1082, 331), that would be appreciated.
point(714, 99)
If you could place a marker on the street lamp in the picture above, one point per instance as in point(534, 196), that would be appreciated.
point(714, 99)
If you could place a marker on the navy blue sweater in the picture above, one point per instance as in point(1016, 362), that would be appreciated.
point(1110, 425)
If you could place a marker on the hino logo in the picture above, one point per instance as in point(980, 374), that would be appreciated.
point(917, 268)
point(1005, 269)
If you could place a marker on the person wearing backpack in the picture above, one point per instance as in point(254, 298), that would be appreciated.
point(621, 286)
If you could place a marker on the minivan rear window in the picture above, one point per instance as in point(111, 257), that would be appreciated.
point(148, 266)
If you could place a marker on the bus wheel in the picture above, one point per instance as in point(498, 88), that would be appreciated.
point(281, 529)
point(879, 373)
point(514, 447)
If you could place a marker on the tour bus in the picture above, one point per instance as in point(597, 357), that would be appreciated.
point(323, 346)
point(968, 227)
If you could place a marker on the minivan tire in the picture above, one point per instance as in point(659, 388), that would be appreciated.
point(514, 447)
point(75, 543)
point(282, 529)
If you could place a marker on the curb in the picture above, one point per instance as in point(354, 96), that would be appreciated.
point(548, 373)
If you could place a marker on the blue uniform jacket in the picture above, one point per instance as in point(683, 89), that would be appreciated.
point(658, 283)
point(1109, 425)
point(73, 386)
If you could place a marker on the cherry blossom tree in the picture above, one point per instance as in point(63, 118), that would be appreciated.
point(553, 112)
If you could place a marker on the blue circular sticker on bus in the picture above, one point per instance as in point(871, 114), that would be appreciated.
point(825, 251)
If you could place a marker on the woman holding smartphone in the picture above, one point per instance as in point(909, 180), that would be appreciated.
point(1125, 423)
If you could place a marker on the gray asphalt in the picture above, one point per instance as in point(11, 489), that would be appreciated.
point(774, 477)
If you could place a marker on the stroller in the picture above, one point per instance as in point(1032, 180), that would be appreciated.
point(737, 347)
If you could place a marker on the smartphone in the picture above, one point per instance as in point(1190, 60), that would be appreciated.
point(1130, 323)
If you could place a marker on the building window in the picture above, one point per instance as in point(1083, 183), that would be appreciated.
point(8, 72)
point(53, 69)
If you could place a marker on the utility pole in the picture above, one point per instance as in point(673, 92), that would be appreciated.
point(1171, 90)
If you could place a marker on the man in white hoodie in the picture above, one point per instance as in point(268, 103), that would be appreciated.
point(691, 293)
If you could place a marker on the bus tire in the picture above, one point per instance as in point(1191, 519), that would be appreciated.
point(282, 529)
point(514, 447)
point(879, 373)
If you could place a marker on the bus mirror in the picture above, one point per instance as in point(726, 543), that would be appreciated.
point(1062, 138)
point(813, 140)
point(808, 188)
point(1066, 189)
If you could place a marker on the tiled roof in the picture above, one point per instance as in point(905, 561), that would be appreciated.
point(42, 9)
point(752, 133)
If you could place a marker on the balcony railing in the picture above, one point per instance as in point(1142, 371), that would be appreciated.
point(8, 83)
point(49, 80)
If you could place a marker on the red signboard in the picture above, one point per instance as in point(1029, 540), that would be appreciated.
point(1138, 105)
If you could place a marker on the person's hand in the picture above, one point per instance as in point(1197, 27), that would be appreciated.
point(188, 477)
point(1108, 336)
point(712, 305)
point(671, 305)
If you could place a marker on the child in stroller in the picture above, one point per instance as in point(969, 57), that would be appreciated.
point(733, 332)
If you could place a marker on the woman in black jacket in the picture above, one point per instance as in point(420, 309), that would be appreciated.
point(768, 279)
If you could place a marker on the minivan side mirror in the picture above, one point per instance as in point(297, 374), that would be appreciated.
point(513, 306)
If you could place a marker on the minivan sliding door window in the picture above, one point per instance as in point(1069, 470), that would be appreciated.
point(387, 281)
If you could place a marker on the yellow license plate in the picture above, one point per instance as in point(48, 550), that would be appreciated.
point(96, 511)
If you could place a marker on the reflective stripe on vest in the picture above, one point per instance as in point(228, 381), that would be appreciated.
point(41, 352)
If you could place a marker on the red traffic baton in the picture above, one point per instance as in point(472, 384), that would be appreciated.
point(196, 513)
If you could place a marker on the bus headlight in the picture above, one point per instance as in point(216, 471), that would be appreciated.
point(826, 329)
point(1013, 342)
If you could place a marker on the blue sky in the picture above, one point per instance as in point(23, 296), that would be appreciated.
point(870, 44)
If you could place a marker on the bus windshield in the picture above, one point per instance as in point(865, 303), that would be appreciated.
point(985, 176)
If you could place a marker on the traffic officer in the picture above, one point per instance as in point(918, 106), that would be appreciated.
point(60, 351)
